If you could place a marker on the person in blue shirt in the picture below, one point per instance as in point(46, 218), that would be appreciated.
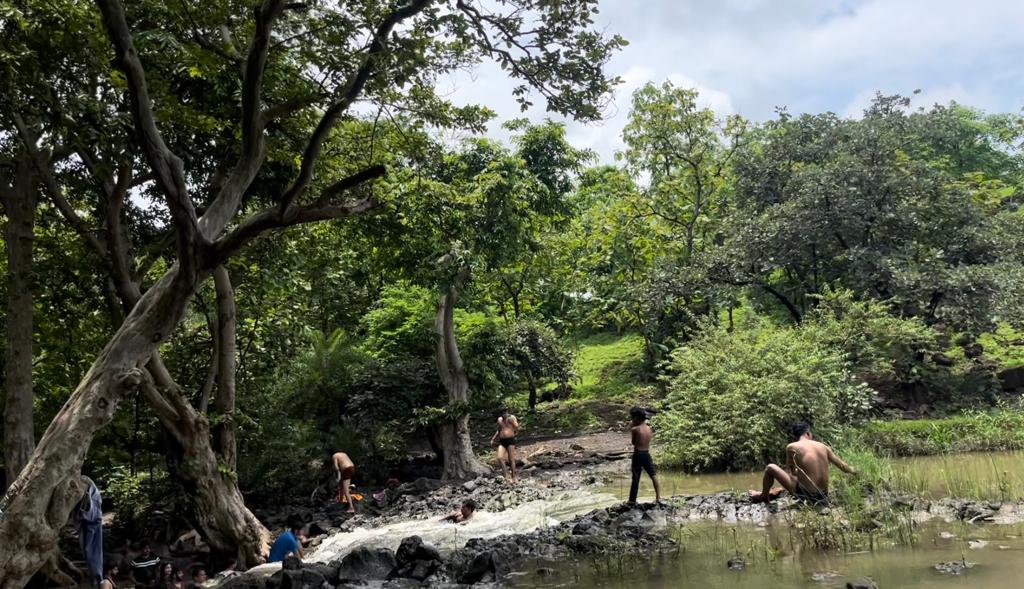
point(290, 542)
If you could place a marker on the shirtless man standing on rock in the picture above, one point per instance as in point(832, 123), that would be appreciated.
point(505, 437)
point(806, 473)
point(641, 436)
point(344, 469)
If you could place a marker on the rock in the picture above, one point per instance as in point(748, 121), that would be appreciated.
point(954, 567)
point(319, 528)
point(469, 486)
point(425, 485)
point(328, 571)
point(245, 582)
point(544, 572)
point(736, 564)
point(947, 535)
point(291, 563)
point(825, 577)
point(1012, 379)
point(367, 564)
point(576, 448)
point(977, 544)
point(865, 583)
point(306, 578)
point(412, 549)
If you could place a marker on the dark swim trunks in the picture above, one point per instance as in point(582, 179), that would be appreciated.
point(506, 442)
point(347, 473)
point(814, 497)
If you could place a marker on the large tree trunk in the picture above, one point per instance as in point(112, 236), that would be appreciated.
point(224, 403)
point(459, 460)
point(218, 509)
point(19, 201)
point(37, 504)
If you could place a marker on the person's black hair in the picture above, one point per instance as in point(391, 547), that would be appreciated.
point(110, 567)
point(295, 522)
point(470, 504)
point(798, 429)
point(637, 413)
point(195, 570)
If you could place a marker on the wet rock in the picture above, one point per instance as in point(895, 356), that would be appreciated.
point(416, 560)
point(545, 572)
point(736, 564)
point(328, 571)
point(319, 528)
point(977, 544)
point(955, 567)
point(367, 564)
point(825, 577)
point(470, 486)
point(865, 583)
point(486, 561)
point(947, 535)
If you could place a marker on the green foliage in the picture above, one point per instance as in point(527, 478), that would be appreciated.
point(609, 365)
point(1005, 345)
point(734, 395)
point(973, 431)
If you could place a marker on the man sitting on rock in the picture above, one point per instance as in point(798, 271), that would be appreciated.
point(289, 542)
point(641, 436)
point(463, 514)
point(344, 470)
point(806, 473)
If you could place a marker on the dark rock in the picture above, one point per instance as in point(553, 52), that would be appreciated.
point(974, 350)
point(469, 486)
point(865, 583)
point(328, 571)
point(1012, 379)
point(545, 572)
point(319, 528)
point(245, 582)
point(736, 564)
point(425, 485)
point(419, 570)
point(942, 359)
point(413, 549)
point(954, 567)
point(367, 564)
point(302, 579)
point(291, 563)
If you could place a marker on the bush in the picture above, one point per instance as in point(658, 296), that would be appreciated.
point(735, 394)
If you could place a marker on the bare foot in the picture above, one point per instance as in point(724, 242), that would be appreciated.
point(757, 496)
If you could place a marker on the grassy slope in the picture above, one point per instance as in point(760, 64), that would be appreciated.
point(608, 366)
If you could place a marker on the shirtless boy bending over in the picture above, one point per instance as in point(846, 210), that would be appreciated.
point(806, 473)
point(344, 469)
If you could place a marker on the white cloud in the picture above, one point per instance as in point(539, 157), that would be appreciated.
point(749, 56)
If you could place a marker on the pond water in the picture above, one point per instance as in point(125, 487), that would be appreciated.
point(773, 562)
point(983, 475)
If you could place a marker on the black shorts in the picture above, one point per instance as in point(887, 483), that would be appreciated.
point(642, 461)
point(506, 442)
point(813, 497)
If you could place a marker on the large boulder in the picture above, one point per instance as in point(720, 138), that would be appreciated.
point(305, 578)
point(412, 549)
point(1012, 379)
point(367, 564)
point(865, 583)
point(484, 561)
point(245, 582)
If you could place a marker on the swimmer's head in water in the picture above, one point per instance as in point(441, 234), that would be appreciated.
point(637, 414)
point(799, 429)
point(468, 508)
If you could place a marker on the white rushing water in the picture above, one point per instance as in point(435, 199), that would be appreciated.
point(447, 537)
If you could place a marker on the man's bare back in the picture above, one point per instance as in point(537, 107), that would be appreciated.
point(642, 436)
point(342, 461)
point(806, 474)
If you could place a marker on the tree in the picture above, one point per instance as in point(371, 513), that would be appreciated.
point(553, 51)
point(18, 186)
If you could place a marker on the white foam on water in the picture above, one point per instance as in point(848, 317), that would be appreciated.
point(446, 536)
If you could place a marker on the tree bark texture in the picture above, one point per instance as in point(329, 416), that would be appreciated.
point(459, 460)
point(19, 200)
point(224, 403)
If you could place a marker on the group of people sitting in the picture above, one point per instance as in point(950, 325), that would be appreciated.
point(149, 571)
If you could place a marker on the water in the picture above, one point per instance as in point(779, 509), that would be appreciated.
point(446, 536)
point(774, 562)
point(983, 475)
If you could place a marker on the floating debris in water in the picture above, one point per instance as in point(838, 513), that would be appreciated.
point(954, 567)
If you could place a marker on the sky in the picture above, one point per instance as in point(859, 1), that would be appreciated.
point(751, 56)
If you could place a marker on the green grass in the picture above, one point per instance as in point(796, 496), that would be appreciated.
point(609, 366)
point(975, 431)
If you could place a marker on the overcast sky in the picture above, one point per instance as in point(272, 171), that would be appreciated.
point(750, 56)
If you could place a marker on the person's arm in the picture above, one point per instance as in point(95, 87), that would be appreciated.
point(515, 424)
point(834, 459)
point(494, 438)
point(633, 436)
point(790, 459)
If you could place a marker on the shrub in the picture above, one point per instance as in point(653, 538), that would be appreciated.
point(735, 394)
